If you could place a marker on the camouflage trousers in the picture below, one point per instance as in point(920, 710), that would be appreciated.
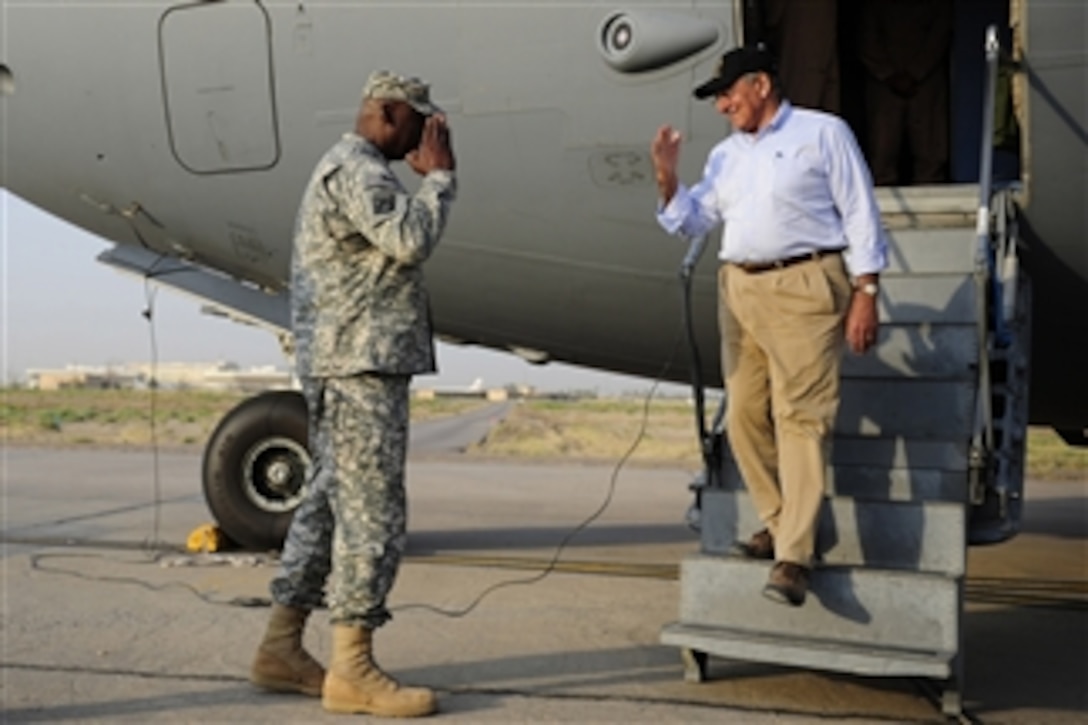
point(352, 521)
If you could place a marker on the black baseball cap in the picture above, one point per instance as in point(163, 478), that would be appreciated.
point(736, 63)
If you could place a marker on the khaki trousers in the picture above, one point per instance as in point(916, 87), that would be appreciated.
point(783, 336)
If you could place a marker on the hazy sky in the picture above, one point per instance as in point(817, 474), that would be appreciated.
point(59, 306)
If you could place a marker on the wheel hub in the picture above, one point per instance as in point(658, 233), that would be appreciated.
point(275, 472)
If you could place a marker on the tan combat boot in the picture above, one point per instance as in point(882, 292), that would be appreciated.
point(281, 663)
point(355, 684)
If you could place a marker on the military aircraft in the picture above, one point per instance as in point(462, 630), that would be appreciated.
point(184, 132)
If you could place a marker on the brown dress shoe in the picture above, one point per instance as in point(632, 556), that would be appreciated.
point(760, 546)
point(787, 583)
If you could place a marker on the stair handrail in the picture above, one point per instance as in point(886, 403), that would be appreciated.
point(986, 157)
point(982, 440)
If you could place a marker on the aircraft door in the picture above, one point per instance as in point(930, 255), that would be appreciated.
point(218, 86)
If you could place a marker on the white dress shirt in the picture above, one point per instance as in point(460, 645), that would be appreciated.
point(796, 186)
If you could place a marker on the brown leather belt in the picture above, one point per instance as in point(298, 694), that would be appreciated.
point(757, 267)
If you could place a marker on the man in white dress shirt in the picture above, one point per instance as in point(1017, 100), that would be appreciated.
point(800, 256)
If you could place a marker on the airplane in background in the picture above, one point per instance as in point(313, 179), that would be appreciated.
point(184, 133)
point(476, 387)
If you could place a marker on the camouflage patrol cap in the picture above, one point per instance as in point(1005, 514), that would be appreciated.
point(387, 85)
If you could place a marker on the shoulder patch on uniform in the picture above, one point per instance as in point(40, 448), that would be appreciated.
point(383, 201)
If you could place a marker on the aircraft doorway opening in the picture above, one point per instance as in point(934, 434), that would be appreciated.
point(217, 82)
point(907, 75)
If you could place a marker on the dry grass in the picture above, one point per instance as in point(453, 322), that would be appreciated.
point(182, 418)
point(605, 430)
point(596, 430)
point(1050, 458)
point(110, 417)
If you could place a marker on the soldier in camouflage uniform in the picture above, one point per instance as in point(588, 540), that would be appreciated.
point(361, 323)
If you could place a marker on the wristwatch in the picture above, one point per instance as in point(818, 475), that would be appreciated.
point(869, 288)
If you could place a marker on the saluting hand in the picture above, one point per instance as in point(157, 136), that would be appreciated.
point(435, 153)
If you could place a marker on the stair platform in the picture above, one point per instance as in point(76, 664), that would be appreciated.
point(807, 652)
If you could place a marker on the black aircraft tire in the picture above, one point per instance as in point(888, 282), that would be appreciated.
point(255, 468)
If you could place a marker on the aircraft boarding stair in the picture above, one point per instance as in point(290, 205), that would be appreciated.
point(927, 456)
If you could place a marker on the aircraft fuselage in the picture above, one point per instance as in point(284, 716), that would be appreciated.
point(191, 129)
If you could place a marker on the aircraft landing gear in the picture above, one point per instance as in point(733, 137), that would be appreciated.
point(256, 466)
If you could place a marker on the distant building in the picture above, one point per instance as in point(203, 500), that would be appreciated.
point(83, 376)
point(254, 379)
point(226, 376)
point(476, 390)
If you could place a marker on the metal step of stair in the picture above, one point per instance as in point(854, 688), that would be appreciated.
point(884, 475)
point(932, 207)
point(918, 536)
point(937, 298)
point(894, 452)
point(867, 608)
point(912, 351)
point(904, 408)
point(915, 252)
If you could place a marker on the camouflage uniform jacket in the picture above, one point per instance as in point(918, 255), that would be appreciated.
point(358, 301)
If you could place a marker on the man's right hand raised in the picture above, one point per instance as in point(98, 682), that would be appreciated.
point(665, 153)
point(434, 152)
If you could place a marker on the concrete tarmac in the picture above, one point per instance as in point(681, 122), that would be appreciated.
point(100, 627)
